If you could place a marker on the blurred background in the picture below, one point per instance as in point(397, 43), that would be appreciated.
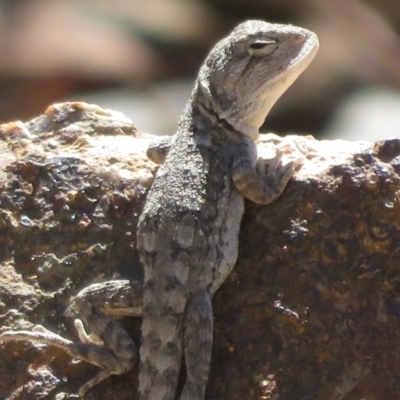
point(141, 57)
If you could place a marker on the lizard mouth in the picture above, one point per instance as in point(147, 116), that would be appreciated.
point(308, 45)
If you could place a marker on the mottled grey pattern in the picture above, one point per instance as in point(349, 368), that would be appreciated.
point(188, 231)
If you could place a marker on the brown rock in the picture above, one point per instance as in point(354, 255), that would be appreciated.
point(311, 310)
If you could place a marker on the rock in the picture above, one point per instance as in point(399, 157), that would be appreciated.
point(73, 183)
point(311, 310)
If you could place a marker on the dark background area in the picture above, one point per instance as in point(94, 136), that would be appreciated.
point(140, 57)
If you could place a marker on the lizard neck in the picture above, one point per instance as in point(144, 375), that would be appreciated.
point(202, 111)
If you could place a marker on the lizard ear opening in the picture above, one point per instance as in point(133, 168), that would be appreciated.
point(262, 48)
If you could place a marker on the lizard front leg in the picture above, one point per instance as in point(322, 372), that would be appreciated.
point(108, 345)
point(250, 177)
point(158, 149)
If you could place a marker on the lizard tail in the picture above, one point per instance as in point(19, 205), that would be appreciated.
point(198, 335)
point(161, 350)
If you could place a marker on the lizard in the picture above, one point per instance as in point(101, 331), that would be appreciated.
point(188, 231)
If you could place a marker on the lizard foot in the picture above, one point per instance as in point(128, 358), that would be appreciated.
point(277, 175)
point(108, 346)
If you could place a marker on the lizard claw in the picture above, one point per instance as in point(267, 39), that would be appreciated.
point(275, 165)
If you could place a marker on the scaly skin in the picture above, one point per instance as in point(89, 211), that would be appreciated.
point(188, 231)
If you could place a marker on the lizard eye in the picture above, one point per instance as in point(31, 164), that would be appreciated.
point(261, 48)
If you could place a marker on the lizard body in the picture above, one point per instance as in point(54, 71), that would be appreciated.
point(188, 231)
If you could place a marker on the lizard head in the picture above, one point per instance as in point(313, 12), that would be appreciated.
point(246, 73)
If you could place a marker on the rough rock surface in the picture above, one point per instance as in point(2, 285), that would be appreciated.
point(311, 310)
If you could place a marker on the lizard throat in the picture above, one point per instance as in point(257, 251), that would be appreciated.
point(208, 111)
